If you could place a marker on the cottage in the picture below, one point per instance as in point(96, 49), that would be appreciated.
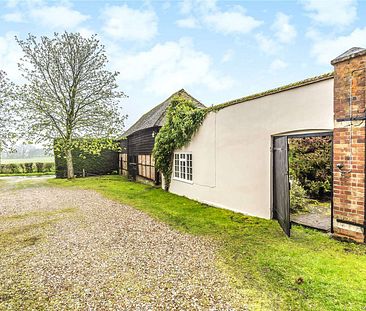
point(136, 159)
point(238, 158)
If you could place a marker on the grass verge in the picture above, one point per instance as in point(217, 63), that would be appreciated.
point(309, 271)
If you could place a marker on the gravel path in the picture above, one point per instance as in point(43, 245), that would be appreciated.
point(64, 249)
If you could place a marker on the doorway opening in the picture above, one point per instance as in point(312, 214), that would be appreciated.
point(310, 178)
point(303, 181)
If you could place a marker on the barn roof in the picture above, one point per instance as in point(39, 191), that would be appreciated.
point(156, 116)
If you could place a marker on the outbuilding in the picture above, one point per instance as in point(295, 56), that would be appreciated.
point(136, 160)
point(238, 159)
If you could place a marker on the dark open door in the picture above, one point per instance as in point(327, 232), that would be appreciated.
point(281, 196)
point(132, 167)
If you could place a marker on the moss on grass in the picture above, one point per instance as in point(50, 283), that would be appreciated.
point(22, 235)
point(38, 214)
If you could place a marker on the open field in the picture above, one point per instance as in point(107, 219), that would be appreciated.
point(28, 160)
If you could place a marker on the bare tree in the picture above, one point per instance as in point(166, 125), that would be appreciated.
point(7, 113)
point(69, 93)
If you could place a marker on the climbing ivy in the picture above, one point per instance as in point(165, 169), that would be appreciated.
point(183, 119)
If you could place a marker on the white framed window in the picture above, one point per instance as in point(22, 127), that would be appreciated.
point(183, 166)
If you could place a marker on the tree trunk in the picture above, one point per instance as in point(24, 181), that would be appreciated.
point(70, 165)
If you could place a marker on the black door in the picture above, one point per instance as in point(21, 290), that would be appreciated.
point(281, 196)
point(132, 167)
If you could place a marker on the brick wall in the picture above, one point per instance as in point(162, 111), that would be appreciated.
point(349, 145)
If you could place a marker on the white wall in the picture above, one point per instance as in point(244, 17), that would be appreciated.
point(231, 151)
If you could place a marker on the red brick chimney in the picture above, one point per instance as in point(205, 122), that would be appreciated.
point(349, 148)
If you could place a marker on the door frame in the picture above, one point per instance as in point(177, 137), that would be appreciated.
point(302, 135)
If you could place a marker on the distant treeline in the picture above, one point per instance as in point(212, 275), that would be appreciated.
point(24, 152)
point(27, 168)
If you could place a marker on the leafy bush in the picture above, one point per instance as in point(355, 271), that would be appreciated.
point(39, 167)
point(310, 164)
point(49, 167)
point(14, 168)
point(21, 168)
point(28, 167)
point(98, 163)
point(298, 197)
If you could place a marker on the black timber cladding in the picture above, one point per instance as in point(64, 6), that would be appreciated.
point(142, 142)
point(123, 145)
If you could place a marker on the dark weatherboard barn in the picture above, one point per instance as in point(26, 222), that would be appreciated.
point(135, 160)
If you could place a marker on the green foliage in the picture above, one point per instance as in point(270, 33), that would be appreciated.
point(26, 168)
point(8, 109)
point(39, 167)
point(49, 167)
point(183, 119)
point(310, 164)
point(95, 156)
point(308, 271)
point(84, 147)
point(298, 198)
point(68, 94)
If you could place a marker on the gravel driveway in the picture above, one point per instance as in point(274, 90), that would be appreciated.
point(64, 249)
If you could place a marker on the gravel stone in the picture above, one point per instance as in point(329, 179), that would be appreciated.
point(76, 250)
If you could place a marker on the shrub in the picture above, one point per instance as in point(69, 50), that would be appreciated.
point(28, 167)
point(49, 167)
point(22, 167)
point(310, 164)
point(40, 167)
point(103, 163)
point(4, 168)
point(14, 168)
point(298, 198)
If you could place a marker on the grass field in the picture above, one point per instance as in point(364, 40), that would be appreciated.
point(29, 160)
point(309, 271)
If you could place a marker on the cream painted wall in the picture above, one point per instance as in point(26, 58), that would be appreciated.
point(232, 149)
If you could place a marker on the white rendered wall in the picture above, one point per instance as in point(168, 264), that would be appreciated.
point(232, 161)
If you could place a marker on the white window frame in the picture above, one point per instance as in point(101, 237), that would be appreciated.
point(183, 167)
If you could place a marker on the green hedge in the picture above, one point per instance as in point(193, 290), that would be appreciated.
point(311, 165)
point(105, 163)
point(26, 168)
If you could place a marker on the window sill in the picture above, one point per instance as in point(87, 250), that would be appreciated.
point(183, 180)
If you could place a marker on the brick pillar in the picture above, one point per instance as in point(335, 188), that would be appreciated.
point(349, 166)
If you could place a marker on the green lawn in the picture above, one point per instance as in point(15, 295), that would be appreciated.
point(308, 271)
point(28, 160)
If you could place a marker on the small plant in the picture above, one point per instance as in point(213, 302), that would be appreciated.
point(298, 197)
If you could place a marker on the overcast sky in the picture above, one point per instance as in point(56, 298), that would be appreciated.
point(216, 50)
